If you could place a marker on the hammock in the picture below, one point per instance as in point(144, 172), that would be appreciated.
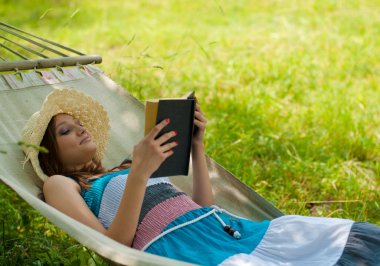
point(22, 93)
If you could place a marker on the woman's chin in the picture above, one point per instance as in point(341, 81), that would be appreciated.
point(90, 147)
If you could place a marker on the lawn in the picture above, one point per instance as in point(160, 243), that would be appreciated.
point(291, 90)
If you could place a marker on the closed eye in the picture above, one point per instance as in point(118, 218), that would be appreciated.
point(64, 131)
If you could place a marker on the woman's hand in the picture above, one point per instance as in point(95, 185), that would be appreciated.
point(200, 124)
point(150, 152)
point(147, 156)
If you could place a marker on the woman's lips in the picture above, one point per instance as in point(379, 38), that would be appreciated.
point(86, 139)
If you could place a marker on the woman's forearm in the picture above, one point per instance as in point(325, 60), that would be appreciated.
point(147, 156)
point(124, 225)
point(202, 190)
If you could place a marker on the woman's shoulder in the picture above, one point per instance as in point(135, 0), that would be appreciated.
point(60, 182)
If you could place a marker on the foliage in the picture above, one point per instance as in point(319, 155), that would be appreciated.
point(27, 238)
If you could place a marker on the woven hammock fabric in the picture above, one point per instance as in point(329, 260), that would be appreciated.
point(21, 94)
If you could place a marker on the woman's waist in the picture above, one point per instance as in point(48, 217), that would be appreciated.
point(160, 216)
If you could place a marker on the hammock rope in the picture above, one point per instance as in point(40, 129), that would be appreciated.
point(32, 50)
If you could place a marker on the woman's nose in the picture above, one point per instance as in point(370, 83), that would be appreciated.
point(80, 130)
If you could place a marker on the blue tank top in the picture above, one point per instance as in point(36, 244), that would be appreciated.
point(93, 196)
point(161, 205)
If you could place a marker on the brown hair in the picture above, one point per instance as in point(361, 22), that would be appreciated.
point(51, 164)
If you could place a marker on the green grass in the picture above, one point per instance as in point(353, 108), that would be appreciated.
point(290, 89)
point(27, 238)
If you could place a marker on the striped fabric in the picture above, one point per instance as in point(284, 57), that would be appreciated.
point(162, 204)
point(156, 194)
point(160, 216)
point(297, 241)
point(93, 196)
point(289, 240)
point(363, 246)
point(113, 193)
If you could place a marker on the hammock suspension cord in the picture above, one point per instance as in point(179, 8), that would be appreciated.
point(18, 44)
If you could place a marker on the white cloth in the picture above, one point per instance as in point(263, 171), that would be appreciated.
point(298, 241)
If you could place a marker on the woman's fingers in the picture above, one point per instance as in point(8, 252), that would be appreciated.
point(156, 130)
point(197, 107)
point(200, 116)
point(199, 124)
point(168, 153)
point(169, 146)
point(198, 113)
point(152, 136)
point(165, 137)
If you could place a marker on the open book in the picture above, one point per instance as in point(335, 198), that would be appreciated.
point(181, 114)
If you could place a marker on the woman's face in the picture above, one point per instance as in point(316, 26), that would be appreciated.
point(75, 145)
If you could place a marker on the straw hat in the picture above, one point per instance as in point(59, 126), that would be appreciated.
point(69, 101)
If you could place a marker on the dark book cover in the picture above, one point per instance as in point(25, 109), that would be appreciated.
point(181, 114)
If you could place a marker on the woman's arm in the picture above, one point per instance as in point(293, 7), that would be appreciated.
point(64, 194)
point(202, 190)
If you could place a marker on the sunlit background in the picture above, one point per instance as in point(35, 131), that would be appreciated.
point(290, 89)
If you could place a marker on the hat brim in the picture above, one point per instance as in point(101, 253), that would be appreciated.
point(91, 114)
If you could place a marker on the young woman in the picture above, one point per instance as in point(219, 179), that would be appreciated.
point(151, 214)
